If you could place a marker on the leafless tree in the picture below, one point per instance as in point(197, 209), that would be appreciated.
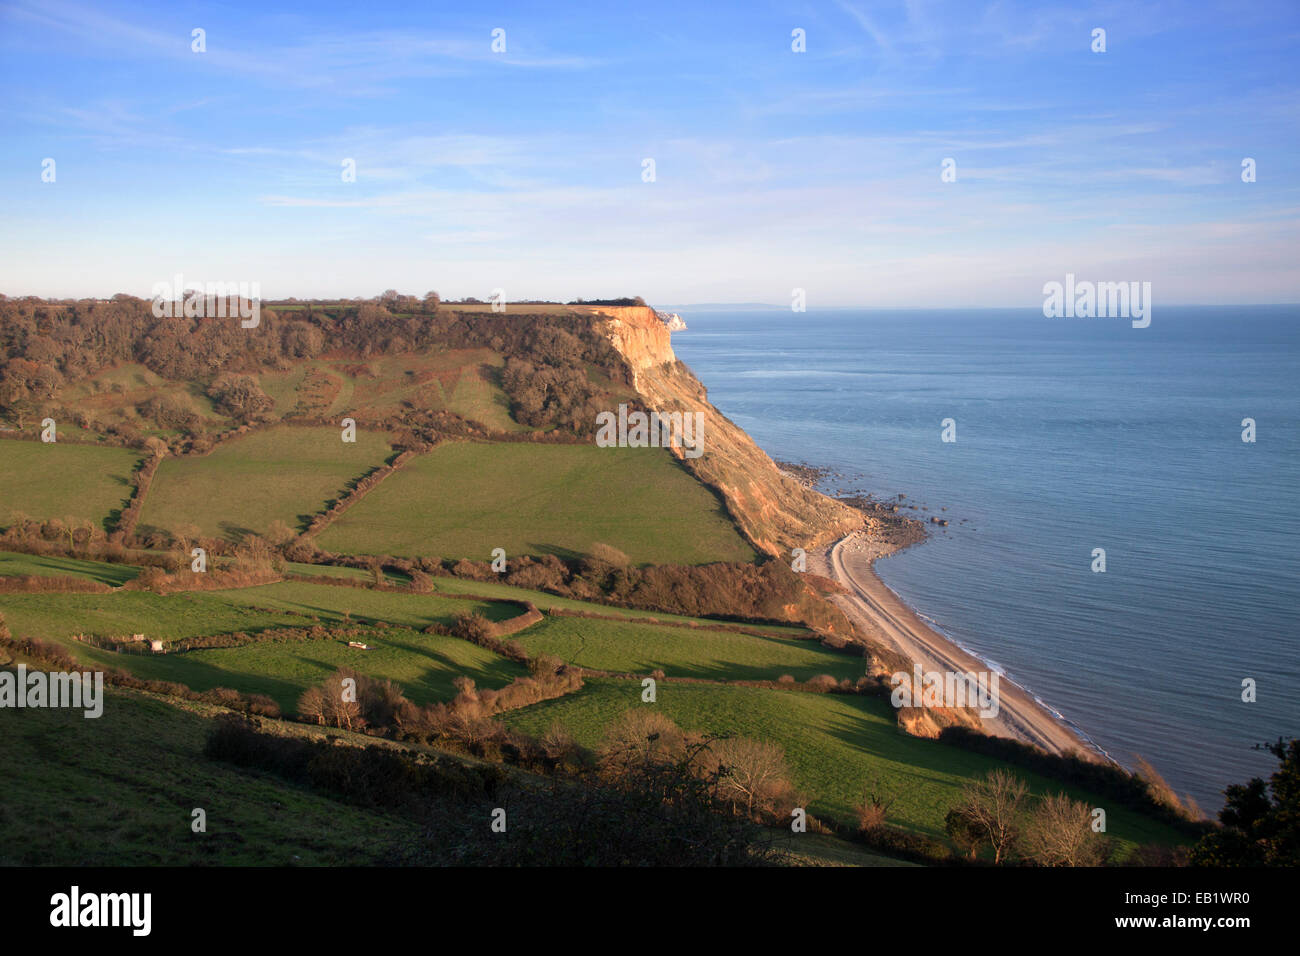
point(877, 798)
point(751, 773)
point(1059, 833)
point(992, 805)
point(641, 737)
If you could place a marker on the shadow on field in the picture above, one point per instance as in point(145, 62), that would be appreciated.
point(234, 532)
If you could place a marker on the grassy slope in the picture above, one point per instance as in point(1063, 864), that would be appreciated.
point(190, 613)
point(424, 665)
point(114, 394)
point(478, 397)
point(245, 484)
point(145, 756)
point(59, 616)
point(682, 652)
point(120, 790)
point(50, 566)
point(834, 745)
point(822, 849)
point(543, 600)
point(460, 380)
point(64, 480)
point(12, 563)
point(464, 499)
point(282, 387)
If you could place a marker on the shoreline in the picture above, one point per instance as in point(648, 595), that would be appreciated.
point(871, 605)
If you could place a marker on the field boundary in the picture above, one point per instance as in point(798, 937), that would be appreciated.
point(130, 516)
point(364, 485)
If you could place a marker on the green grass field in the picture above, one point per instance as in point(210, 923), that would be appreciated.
point(684, 652)
point(52, 566)
point(834, 744)
point(282, 387)
point(145, 757)
point(60, 616)
point(387, 608)
point(423, 664)
point(543, 600)
point(120, 790)
point(331, 602)
point(478, 397)
point(245, 484)
point(83, 482)
point(192, 613)
point(464, 499)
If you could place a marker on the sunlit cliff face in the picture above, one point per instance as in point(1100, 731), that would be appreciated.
point(774, 511)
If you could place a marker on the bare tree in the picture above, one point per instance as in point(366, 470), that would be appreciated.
point(279, 534)
point(751, 773)
point(311, 704)
point(877, 799)
point(558, 744)
point(342, 700)
point(992, 805)
point(1059, 833)
point(638, 739)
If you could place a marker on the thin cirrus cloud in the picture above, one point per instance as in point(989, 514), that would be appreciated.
point(358, 60)
point(773, 169)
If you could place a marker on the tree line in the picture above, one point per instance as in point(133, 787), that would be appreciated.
point(47, 345)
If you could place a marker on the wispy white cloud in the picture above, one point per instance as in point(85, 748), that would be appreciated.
point(363, 62)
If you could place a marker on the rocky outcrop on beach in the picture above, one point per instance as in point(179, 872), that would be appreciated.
point(672, 320)
point(885, 526)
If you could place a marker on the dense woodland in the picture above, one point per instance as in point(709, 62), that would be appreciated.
point(47, 345)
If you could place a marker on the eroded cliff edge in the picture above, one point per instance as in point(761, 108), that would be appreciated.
point(776, 512)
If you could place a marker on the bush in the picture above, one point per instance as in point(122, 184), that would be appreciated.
point(473, 627)
point(610, 555)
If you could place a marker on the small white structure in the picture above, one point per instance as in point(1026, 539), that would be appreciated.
point(358, 645)
point(156, 646)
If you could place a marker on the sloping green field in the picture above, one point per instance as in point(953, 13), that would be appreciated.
point(249, 482)
point(83, 482)
point(464, 499)
point(192, 613)
point(833, 743)
point(545, 601)
point(145, 758)
point(120, 790)
point(424, 665)
point(685, 652)
point(53, 566)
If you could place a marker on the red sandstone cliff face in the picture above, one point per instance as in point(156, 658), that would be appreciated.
point(638, 334)
point(775, 512)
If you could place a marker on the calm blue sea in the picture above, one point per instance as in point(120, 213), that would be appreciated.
point(1072, 434)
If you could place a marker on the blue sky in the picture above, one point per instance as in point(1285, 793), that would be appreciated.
point(522, 170)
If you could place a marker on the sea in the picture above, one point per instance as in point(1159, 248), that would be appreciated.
point(1071, 437)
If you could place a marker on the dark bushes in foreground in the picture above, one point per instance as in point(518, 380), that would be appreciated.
point(659, 815)
point(373, 776)
point(1104, 779)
